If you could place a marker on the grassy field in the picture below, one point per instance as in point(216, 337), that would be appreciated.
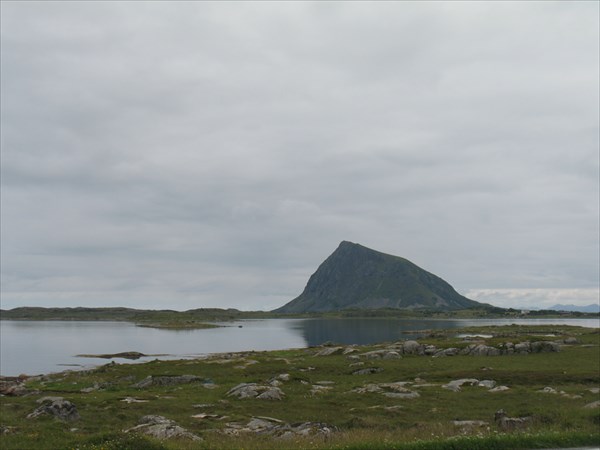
point(357, 415)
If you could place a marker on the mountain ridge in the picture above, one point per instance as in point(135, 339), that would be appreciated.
point(354, 276)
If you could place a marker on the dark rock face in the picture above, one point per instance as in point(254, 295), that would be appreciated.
point(357, 277)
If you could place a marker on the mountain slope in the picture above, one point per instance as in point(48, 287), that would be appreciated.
point(354, 276)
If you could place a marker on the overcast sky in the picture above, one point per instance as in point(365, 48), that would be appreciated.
point(198, 154)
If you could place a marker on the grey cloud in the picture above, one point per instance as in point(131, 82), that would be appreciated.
point(214, 154)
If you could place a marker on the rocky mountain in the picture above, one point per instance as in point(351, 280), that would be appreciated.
point(354, 276)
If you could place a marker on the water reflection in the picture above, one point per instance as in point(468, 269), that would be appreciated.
point(34, 347)
point(370, 331)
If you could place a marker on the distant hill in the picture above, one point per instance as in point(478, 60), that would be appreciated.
point(354, 276)
point(592, 308)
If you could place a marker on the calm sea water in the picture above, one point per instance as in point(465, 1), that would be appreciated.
point(34, 347)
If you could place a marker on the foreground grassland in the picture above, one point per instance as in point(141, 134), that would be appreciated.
point(554, 391)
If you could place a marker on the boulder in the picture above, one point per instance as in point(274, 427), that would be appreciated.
point(469, 423)
point(253, 390)
point(480, 350)
point(277, 428)
point(56, 406)
point(273, 393)
point(499, 389)
point(510, 423)
point(456, 384)
point(544, 346)
point(167, 381)
point(487, 384)
point(413, 348)
point(368, 371)
point(12, 388)
point(403, 395)
point(160, 427)
point(593, 405)
point(446, 352)
point(329, 351)
point(523, 347)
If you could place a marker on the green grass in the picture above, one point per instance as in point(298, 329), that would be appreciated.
point(361, 419)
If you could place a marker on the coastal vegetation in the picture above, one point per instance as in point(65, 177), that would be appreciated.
point(502, 387)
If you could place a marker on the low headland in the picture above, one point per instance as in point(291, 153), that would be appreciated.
point(214, 317)
point(499, 387)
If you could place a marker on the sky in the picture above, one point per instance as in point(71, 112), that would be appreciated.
point(212, 154)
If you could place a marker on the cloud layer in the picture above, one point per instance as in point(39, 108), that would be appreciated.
point(198, 154)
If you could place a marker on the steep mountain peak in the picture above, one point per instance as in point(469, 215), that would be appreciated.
point(354, 276)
